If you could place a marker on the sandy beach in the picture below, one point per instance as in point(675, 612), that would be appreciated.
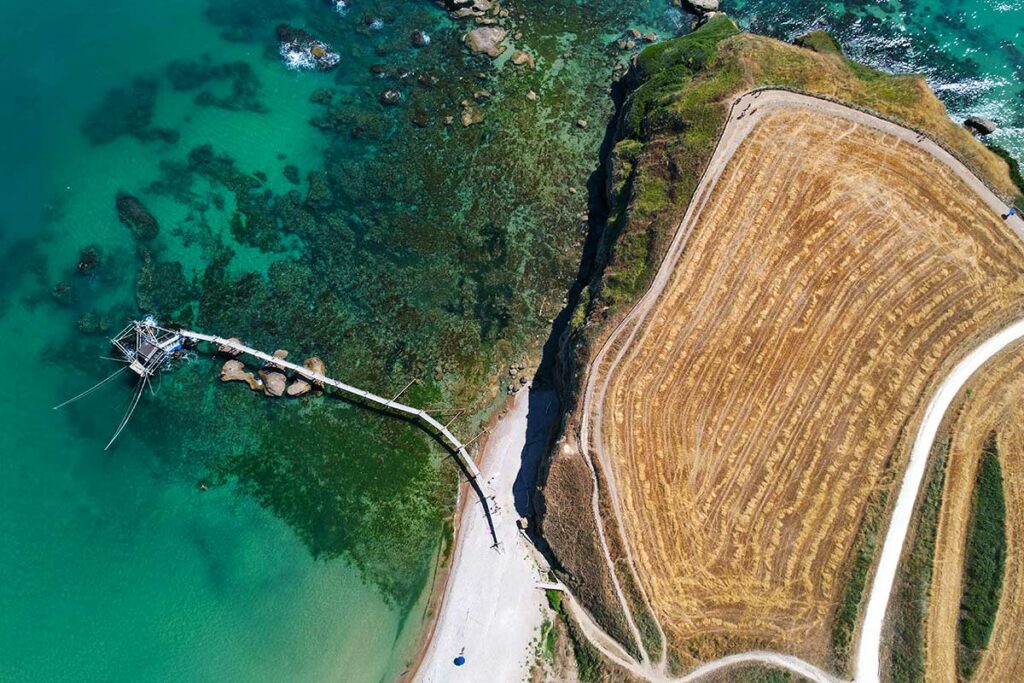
point(492, 607)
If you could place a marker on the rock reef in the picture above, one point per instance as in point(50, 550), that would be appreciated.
point(300, 50)
point(980, 125)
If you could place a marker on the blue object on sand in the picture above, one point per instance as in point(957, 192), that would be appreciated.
point(460, 660)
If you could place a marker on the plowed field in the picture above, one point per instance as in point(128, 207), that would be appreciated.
point(832, 275)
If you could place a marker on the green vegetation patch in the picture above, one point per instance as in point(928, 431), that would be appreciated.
point(679, 98)
point(910, 600)
point(984, 563)
point(820, 41)
point(1015, 173)
point(844, 623)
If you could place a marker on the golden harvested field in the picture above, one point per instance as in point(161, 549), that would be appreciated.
point(832, 275)
point(995, 404)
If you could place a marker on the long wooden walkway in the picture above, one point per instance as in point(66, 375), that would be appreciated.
point(460, 450)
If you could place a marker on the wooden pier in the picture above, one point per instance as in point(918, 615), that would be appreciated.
point(386, 404)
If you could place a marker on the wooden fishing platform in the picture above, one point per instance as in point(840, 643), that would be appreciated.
point(145, 347)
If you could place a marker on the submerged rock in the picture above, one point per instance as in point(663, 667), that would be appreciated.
point(234, 371)
point(981, 125)
point(300, 50)
point(89, 259)
point(136, 217)
point(487, 40)
point(63, 293)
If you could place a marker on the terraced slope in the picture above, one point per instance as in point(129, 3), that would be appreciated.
point(995, 404)
point(833, 273)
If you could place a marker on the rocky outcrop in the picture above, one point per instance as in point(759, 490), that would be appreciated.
point(280, 354)
point(471, 115)
point(230, 350)
point(419, 38)
point(487, 40)
point(234, 371)
point(390, 97)
point(980, 125)
point(461, 9)
point(133, 214)
point(701, 6)
point(316, 365)
point(300, 50)
point(298, 388)
point(274, 383)
point(519, 58)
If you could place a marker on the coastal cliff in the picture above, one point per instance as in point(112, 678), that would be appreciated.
point(676, 100)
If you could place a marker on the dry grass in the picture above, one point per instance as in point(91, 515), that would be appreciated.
point(995, 403)
point(831, 276)
point(906, 98)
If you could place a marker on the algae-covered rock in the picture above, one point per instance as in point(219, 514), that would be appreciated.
point(390, 97)
point(420, 38)
point(134, 214)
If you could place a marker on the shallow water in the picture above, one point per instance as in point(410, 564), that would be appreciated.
point(414, 249)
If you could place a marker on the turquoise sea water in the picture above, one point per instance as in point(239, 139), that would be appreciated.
point(296, 211)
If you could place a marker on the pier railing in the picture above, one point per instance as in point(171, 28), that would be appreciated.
point(387, 404)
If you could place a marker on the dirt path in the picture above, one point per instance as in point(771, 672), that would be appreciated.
point(741, 122)
point(885, 575)
point(994, 404)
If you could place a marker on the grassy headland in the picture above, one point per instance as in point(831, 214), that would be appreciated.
point(676, 102)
